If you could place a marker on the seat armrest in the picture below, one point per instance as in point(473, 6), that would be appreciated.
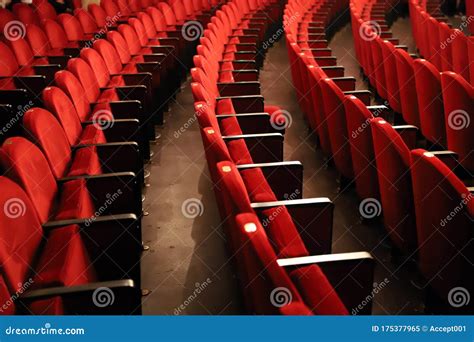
point(264, 148)
point(450, 158)
point(244, 75)
point(363, 95)
point(120, 297)
point(380, 111)
point(119, 235)
point(241, 64)
point(408, 134)
point(238, 88)
point(251, 123)
point(117, 156)
point(345, 83)
point(285, 178)
point(351, 275)
point(127, 110)
point(316, 44)
point(333, 71)
point(313, 218)
point(326, 61)
point(246, 103)
point(102, 187)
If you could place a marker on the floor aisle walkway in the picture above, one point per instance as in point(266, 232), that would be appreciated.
point(187, 254)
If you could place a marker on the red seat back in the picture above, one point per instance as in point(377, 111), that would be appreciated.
point(458, 98)
point(26, 165)
point(438, 193)
point(430, 101)
point(393, 164)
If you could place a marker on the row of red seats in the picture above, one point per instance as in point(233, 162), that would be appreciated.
point(71, 183)
point(279, 241)
point(449, 49)
point(439, 104)
point(416, 188)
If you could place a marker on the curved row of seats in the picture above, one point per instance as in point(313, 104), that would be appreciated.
point(278, 241)
point(417, 189)
point(438, 104)
point(72, 165)
point(447, 48)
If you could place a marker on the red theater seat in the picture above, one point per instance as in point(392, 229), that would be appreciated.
point(437, 192)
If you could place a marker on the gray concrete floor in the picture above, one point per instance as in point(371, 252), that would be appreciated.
point(186, 252)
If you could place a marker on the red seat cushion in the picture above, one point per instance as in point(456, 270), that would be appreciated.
point(75, 201)
point(257, 186)
point(239, 152)
point(86, 162)
point(92, 135)
point(64, 260)
point(282, 232)
point(317, 292)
